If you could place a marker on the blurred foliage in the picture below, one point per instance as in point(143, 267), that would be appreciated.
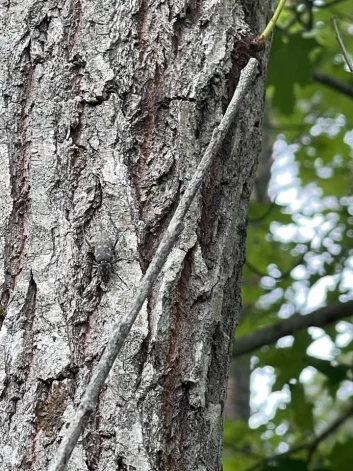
point(300, 253)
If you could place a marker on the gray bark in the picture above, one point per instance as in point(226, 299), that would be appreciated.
point(106, 110)
point(238, 399)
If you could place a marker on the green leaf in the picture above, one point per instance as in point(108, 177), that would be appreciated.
point(259, 213)
point(250, 294)
point(331, 331)
point(290, 64)
point(302, 341)
point(286, 465)
point(335, 374)
point(341, 457)
point(287, 363)
point(235, 432)
point(237, 462)
point(302, 409)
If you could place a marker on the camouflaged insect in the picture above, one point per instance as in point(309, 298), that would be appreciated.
point(104, 256)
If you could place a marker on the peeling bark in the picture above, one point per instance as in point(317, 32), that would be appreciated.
point(106, 110)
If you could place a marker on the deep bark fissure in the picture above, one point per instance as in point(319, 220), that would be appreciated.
point(108, 108)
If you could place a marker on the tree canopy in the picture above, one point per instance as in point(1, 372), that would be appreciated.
point(298, 278)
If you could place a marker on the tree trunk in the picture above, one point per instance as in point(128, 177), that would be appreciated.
point(238, 399)
point(106, 110)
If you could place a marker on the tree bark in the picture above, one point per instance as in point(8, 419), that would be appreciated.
point(238, 399)
point(106, 110)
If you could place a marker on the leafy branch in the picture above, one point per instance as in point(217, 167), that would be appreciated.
point(270, 334)
point(335, 84)
point(310, 446)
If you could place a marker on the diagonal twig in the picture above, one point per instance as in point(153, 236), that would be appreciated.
point(342, 46)
point(122, 328)
point(335, 84)
point(309, 446)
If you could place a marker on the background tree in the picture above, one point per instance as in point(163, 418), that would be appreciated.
point(107, 107)
point(299, 257)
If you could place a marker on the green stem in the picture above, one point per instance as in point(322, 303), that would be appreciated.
point(271, 24)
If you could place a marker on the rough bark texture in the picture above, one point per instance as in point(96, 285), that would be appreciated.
point(238, 397)
point(106, 109)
